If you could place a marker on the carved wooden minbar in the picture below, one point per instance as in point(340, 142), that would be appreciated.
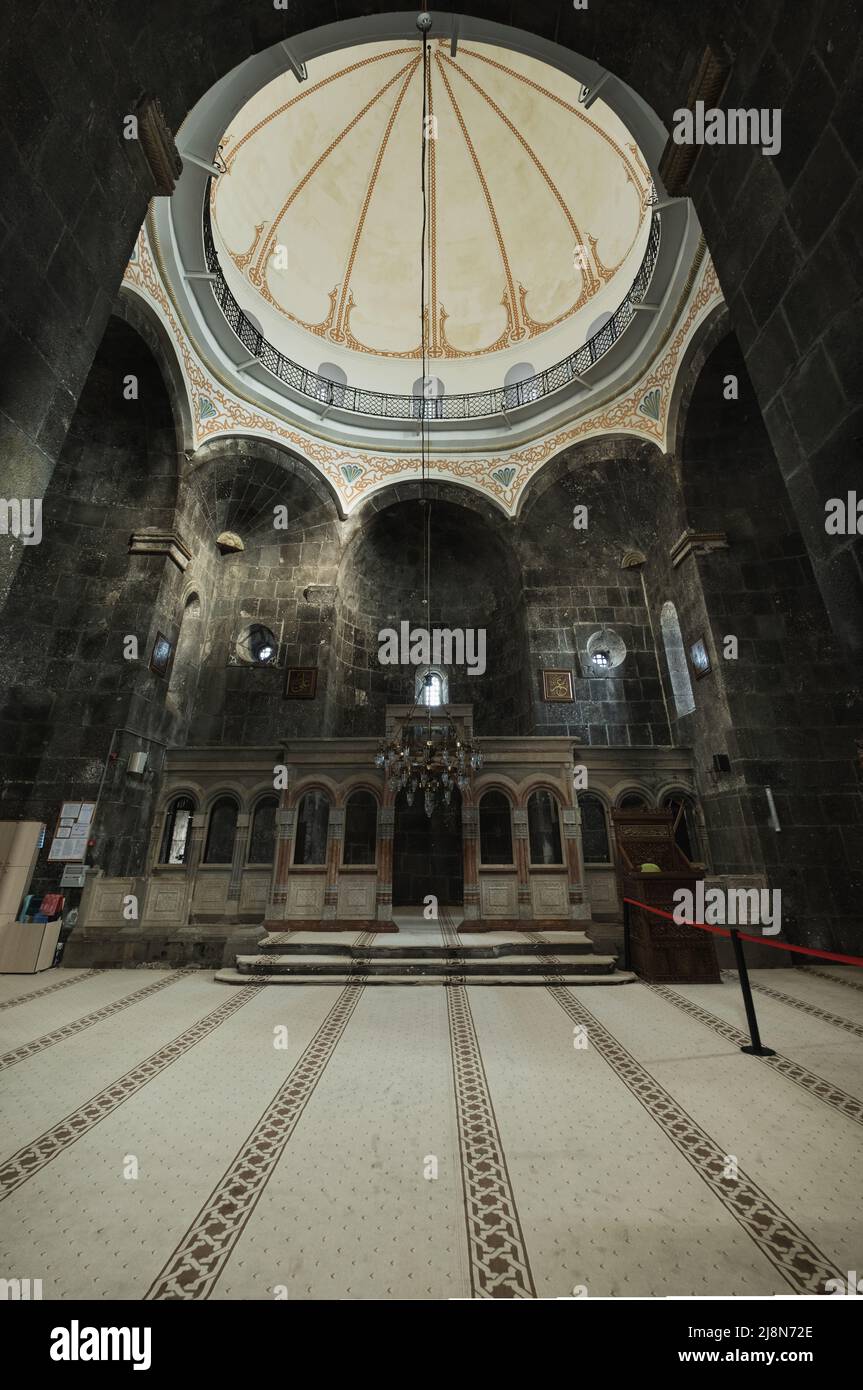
point(661, 950)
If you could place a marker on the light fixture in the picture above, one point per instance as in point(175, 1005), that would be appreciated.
point(431, 759)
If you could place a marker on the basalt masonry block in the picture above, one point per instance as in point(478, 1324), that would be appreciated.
point(774, 708)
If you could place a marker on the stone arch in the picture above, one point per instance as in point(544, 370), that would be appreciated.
point(242, 450)
point(476, 584)
point(585, 453)
point(134, 310)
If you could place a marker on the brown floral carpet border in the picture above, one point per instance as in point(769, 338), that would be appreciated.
point(497, 1253)
point(50, 989)
point(856, 1029)
point(195, 1265)
point(34, 1156)
point(78, 1025)
point(799, 1261)
point(834, 979)
point(834, 1096)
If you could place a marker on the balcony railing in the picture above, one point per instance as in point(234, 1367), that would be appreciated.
point(469, 405)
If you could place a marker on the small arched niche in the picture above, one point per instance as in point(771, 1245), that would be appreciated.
point(520, 385)
point(332, 388)
point(428, 393)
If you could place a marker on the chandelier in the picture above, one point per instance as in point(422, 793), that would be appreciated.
point(432, 761)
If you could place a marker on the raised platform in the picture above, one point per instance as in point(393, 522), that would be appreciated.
point(426, 953)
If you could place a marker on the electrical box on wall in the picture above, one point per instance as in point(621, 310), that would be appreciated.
point(137, 764)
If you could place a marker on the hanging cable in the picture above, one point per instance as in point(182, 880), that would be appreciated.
point(424, 335)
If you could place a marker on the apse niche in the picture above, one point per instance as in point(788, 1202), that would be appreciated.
point(474, 583)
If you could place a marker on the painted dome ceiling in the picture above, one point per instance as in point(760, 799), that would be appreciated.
point(538, 213)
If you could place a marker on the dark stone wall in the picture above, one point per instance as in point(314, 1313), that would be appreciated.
point(575, 585)
point(66, 686)
point(784, 710)
point(785, 233)
point(475, 583)
point(283, 579)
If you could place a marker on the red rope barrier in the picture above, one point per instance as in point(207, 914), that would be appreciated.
point(744, 936)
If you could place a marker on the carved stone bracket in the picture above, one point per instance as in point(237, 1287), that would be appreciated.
point(697, 543)
point(152, 541)
point(158, 146)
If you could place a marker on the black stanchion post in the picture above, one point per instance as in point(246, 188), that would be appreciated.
point(757, 1049)
point(627, 951)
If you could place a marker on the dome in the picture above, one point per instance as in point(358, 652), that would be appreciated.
point(537, 213)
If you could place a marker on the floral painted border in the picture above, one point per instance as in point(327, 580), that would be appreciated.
point(356, 473)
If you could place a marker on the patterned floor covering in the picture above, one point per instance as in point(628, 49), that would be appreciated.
point(166, 1139)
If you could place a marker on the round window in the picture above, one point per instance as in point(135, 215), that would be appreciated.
point(605, 651)
point(257, 646)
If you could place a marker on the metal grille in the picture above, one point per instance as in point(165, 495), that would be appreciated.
point(471, 405)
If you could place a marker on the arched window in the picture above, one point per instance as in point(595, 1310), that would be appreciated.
point(520, 385)
point(175, 837)
point(332, 388)
point(685, 835)
point(543, 825)
point(675, 656)
point(313, 819)
point(495, 829)
point(594, 829)
point(428, 392)
point(262, 841)
point(361, 829)
point(220, 831)
point(432, 687)
point(632, 801)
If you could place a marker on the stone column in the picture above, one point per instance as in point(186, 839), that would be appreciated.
point(522, 860)
point(386, 830)
point(156, 833)
point(194, 850)
point(238, 858)
point(578, 908)
point(469, 818)
point(278, 899)
point(335, 840)
point(195, 845)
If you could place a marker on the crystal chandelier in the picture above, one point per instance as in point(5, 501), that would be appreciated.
point(433, 765)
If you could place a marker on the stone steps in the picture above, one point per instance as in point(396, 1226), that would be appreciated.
point(368, 963)
point(235, 977)
point(283, 949)
point(425, 958)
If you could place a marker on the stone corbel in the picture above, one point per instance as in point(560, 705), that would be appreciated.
point(519, 824)
point(152, 541)
point(697, 543)
point(158, 146)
